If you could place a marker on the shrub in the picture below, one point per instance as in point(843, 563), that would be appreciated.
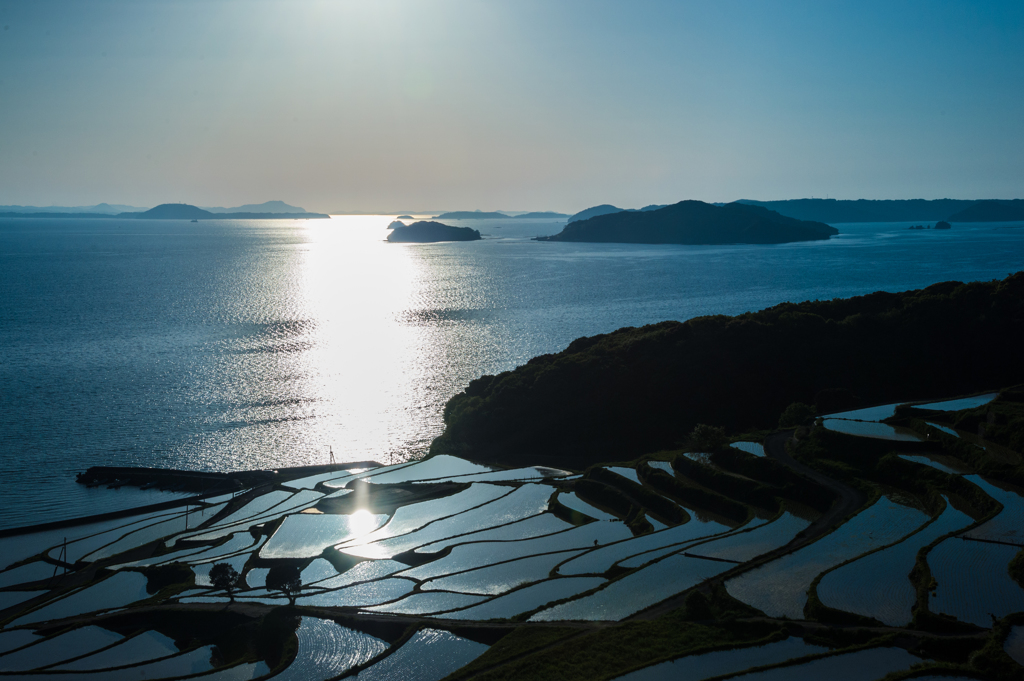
point(796, 414)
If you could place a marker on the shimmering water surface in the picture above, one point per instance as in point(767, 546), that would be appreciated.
point(254, 344)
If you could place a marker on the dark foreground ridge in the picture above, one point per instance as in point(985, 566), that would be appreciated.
point(640, 389)
point(694, 222)
point(429, 232)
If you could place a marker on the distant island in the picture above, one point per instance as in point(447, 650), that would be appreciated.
point(694, 222)
point(991, 211)
point(607, 209)
point(426, 231)
point(540, 215)
point(938, 225)
point(103, 209)
point(471, 215)
point(265, 207)
point(405, 217)
point(184, 211)
point(271, 210)
point(864, 210)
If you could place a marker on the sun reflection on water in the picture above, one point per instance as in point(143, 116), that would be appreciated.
point(356, 287)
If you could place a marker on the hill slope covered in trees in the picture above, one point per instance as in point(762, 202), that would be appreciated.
point(636, 390)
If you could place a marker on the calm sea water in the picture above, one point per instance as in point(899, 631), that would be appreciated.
point(253, 344)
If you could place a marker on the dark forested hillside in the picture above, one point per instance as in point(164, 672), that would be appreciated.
point(639, 389)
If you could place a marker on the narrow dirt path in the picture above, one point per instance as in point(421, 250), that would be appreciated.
point(848, 498)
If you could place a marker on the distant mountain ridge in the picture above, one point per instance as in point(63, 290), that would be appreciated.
point(540, 215)
point(470, 215)
point(100, 208)
point(184, 211)
point(265, 207)
point(608, 209)
point(108, 210)
point(991, 211)
point(865, 210)
point(694, 223)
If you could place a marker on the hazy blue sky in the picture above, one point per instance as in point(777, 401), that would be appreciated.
point(515, 104)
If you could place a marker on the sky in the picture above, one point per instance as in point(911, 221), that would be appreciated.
point(387, 106)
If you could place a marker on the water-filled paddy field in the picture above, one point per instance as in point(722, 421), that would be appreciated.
point(878, 585)
point(780, 587)
point(448, 542)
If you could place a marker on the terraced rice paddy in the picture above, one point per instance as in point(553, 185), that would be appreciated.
point(437, 467)
point(944, 429)
point(430, 655)
point(469, 556)
point(636, 591)
point(497, 579)
point(149, 645)
point(627, 473)
point(493, 550)
point(957, 405)
point(361, 595)
point(527, 599)
point(428, 603)
point(879, 413)
point(75, 643)
point(878, 585)
point(307, 535)
point(527, 500)
point(973, 583)
point(780, 587)
point(755, 448)
point(878, 431)
point(864, 665)
point(115, 592)
point(1008, 525)
point(534, 526)
point(946, 466)
point(32, 572)
point(601, 559)
point(719, 663)
point(185, 664)
point(570, 500)
point(744, 546)
point(414, 516)
point(327, 649)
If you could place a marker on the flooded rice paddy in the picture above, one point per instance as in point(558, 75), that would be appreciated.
point(780, 587)
point(722, 662)
point(878, 585)
point(490, 548)
point(878, 431)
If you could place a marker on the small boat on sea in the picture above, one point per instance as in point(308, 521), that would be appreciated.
point(194, 220)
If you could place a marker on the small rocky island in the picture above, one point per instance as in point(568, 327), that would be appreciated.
point(427, 231)
point(695, 223)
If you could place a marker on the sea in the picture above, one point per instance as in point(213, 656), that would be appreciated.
point(246, 344)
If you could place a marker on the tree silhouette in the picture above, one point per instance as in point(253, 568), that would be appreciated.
point(286, 579)
point(225, 577)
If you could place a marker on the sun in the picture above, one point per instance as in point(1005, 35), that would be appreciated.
point(362, 522)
